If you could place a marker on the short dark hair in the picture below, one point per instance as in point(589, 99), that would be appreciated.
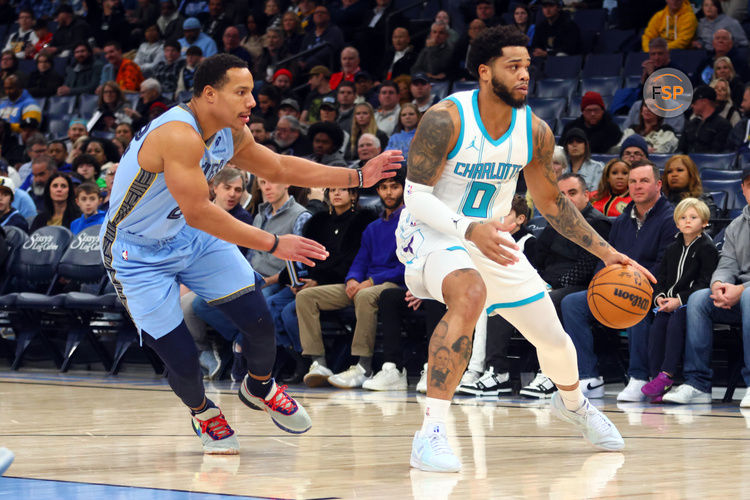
point(389, 83)
point(85, 45)
point(85, 159)
point(212, 71)
point(271, 92)
point(489, 44)
point(647, 163)
point(113, 43)
point(571, 175)
point(174, 44)
point(351, 85)
point(258, 119)
point(87, 187)
point(520, 207)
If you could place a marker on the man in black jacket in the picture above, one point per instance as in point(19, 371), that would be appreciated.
point(71, 30)
point(557, 34)
point(739, 137)
point(400, 57)
point(707, 131)
point(601, 130)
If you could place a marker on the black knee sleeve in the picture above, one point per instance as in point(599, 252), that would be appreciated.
point(178, 352)
point(251, 316)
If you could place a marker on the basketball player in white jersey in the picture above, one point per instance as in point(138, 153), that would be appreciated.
point(461, 177)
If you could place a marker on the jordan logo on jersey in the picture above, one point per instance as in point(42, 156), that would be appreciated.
point(473, 144)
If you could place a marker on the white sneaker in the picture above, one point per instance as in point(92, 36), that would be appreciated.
point(6, 458)
point(539, 388)
point(632, 391)
point(592, 388)
point(317, 375)
point(431, 452)
point(389, 378)
point(595, 426)
point(469, 377)
point(686, 395)
point(745, 403)
point(349, 379)
point(422, 384)
point(489, 384)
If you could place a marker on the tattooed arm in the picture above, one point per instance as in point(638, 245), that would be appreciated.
point(541, 181)
point(436, 136)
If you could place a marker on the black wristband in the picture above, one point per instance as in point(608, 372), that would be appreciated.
point(361, 178)
point(275, 244)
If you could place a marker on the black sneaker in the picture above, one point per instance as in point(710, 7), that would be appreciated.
point(539, 388)
point(489, 384)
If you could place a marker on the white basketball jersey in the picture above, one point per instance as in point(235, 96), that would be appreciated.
point(479, 179)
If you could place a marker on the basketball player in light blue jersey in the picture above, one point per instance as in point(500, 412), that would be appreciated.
point(461, 177)
point(162, 230)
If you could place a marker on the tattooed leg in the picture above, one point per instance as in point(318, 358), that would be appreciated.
point(450, 346)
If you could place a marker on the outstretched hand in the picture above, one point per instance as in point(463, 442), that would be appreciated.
point(299, 249)
point(621, 258)
point(382, 166)
point(486, 236)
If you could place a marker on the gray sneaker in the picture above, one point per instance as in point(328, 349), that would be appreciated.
point(217, 437)
point(211, 362)
point(286, 413)
point(6, 458)
point(595, 426)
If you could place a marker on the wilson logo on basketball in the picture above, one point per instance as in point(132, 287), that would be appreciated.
point(635, 300)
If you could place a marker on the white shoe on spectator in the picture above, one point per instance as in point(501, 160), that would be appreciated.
point(389, 378)
point(422, 384)
point(686, 395)
point(470, 377)
point(349, 379)
point(317, 375)
point(489, 384)
point(539, 388)
point(745, 403)
point(632, 391)
point(592, 388)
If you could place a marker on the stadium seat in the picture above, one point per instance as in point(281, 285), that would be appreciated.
point(724, 161)
point(60, 106)
point(615, 41)
point(605, 85)
point(34, 271)
point(602, 65)
point(87, 104)
point(556, 87)
point(564, 120)
point(603, 158)
point(687, 60)
point(632, 81)
point(547, 108)
point(57, 128)
point(720, 199)
point(440, 89)
point(132, 98)
point(27, 65)
point(711, 174)
point(59, 64)
point(731, 187)
point(659, 159)
point(620, 120)
point(633, 62)
point(563, 66)
point(536, 225)
point(590, 19)
point(459, 86)
point(588, 41)
point(14, 238)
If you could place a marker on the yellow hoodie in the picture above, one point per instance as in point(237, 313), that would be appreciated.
point(677, 30)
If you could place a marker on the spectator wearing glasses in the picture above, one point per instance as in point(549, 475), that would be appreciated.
point(633, 149)
point(44, 81)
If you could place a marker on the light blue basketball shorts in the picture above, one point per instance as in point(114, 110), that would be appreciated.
point(147, 273)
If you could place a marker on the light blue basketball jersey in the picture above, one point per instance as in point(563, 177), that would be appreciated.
point(140, 202)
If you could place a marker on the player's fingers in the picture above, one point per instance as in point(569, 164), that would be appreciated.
point(643, 270)
point(313, 244)
point(304, 260)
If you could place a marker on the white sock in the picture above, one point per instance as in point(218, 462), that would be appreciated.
point(435, 414)
point(574, 399)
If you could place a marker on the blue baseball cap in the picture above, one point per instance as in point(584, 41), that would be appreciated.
point(191, 23)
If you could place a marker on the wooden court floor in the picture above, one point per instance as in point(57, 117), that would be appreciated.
point(87, 430)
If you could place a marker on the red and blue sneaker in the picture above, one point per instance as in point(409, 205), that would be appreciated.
point(286, 413)
point(217, 437)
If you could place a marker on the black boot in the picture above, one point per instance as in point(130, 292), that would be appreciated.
point(301, 365)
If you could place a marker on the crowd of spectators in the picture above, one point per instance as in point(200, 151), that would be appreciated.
point(339, 82)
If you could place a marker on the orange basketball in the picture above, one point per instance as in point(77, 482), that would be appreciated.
point(619, 296)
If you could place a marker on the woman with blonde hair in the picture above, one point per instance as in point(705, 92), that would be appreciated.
point(681, 180)
point(724, 106)
point(363, 122)
point(724, 68)
point(612, 196)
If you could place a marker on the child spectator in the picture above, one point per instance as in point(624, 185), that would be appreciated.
point(687, 266)
point(86, 168)
point(9, 215)
point(87, 199)
point(612, 196)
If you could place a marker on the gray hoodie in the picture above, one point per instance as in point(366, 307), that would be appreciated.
point(734, 262)
point(706, 30)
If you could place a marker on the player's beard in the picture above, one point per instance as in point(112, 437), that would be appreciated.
point(504, 94)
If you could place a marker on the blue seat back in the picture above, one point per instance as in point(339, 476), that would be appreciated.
point(60, 106)
point(563, 66)
point(87, 104)
point(715, 174)
point(602, 65)
point(633, 63)
point(614, 41)
point(604, 85)
point(722, 161)
point(82, 260)
point(547, 108)
point(40, 254)
point(556, 87)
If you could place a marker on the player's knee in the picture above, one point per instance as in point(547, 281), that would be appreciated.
point(468, 301)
